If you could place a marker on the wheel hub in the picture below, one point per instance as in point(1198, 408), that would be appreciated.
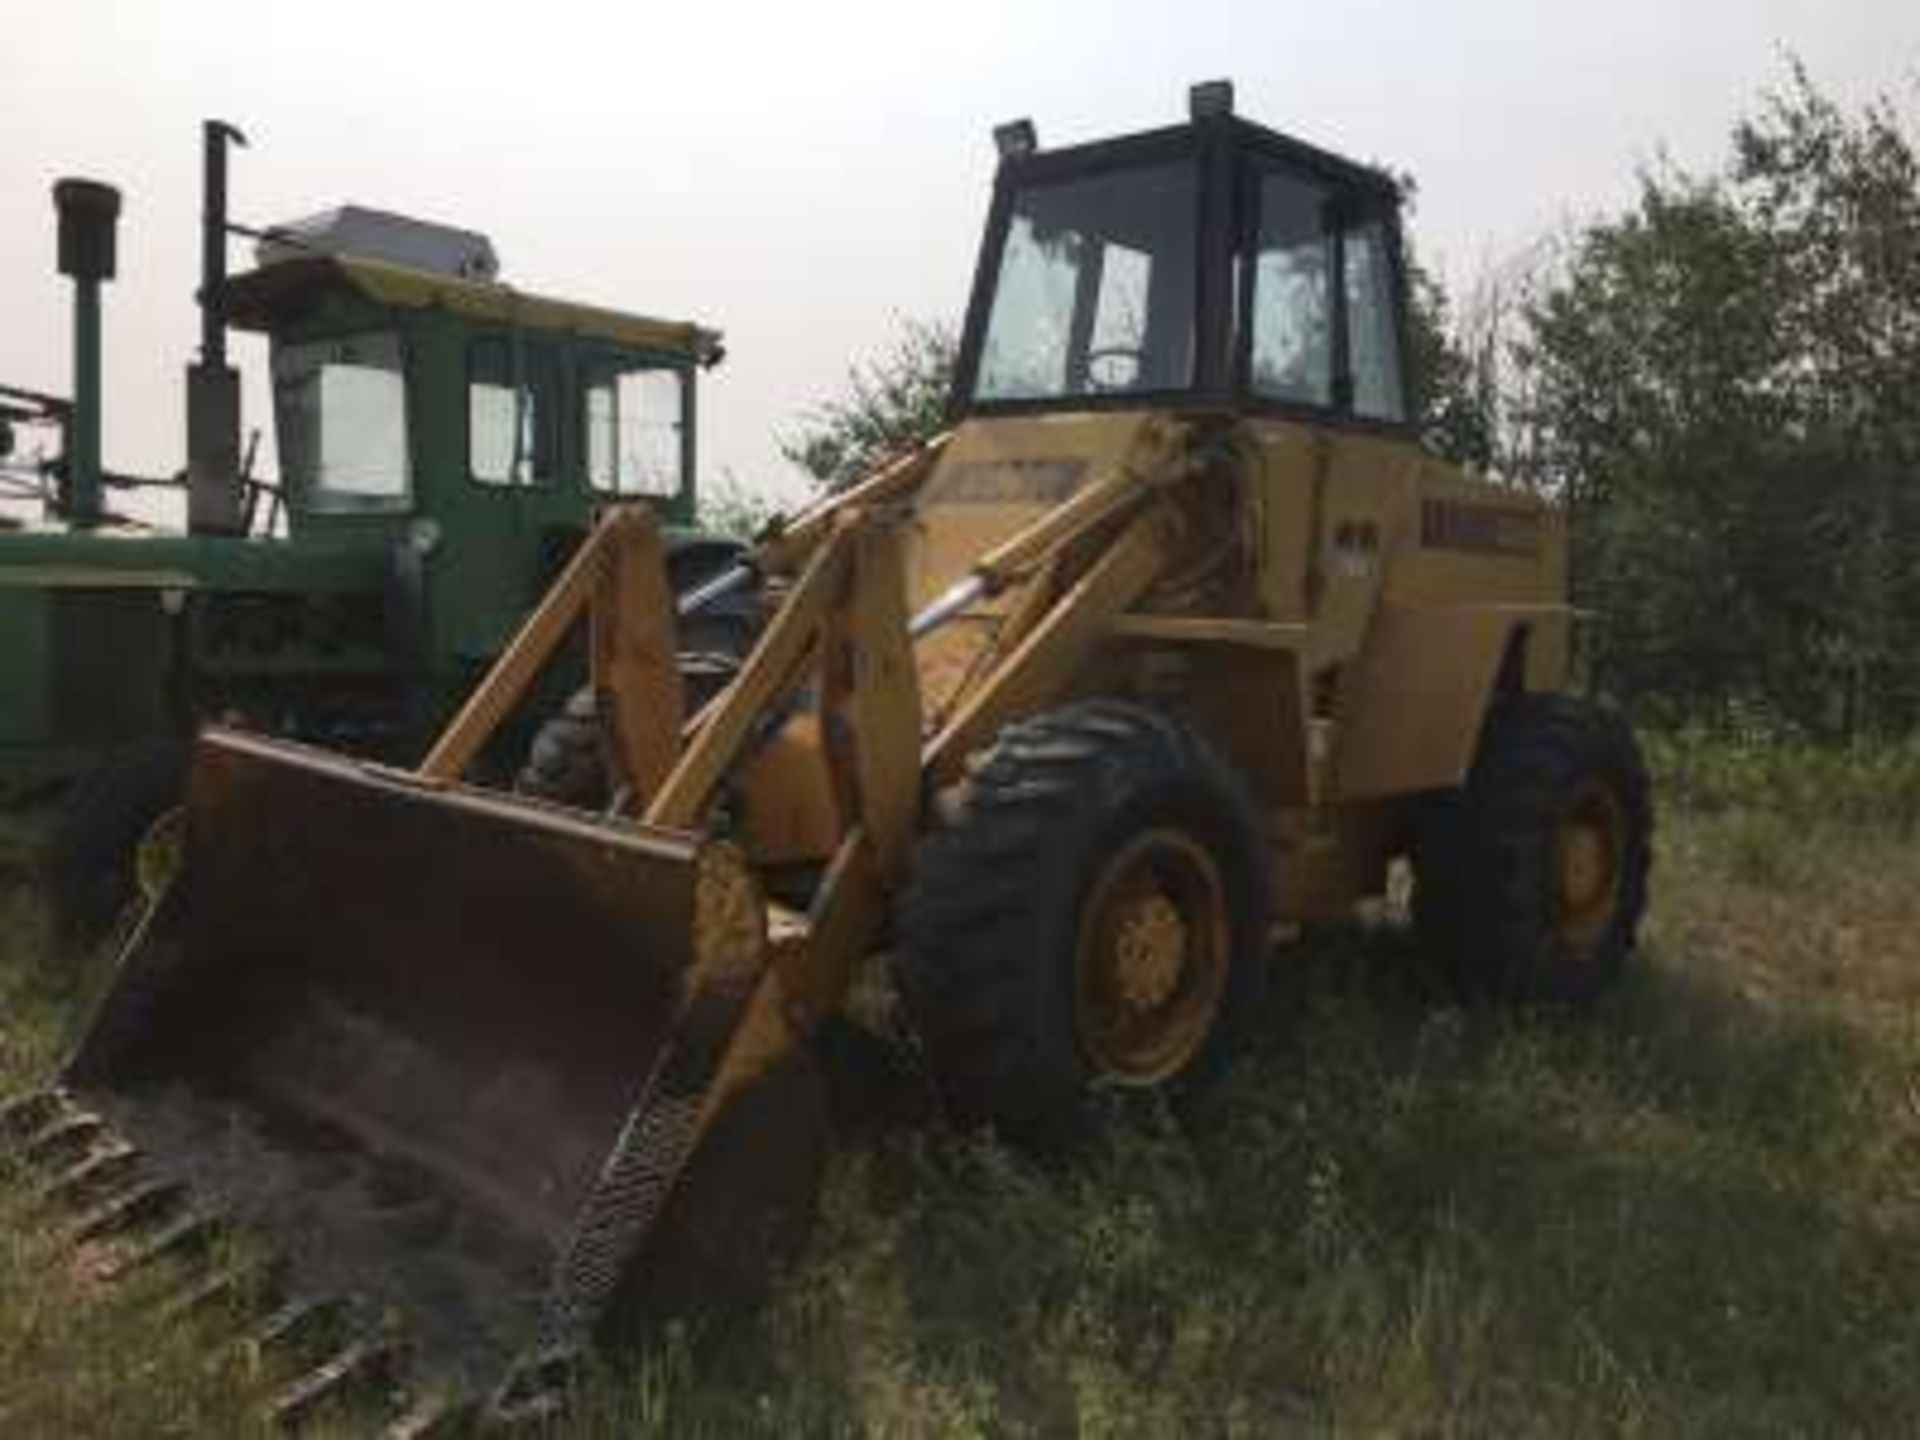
point(1152, 949)
point(1584, 867)
point(1152, 959)
point(1587, 845)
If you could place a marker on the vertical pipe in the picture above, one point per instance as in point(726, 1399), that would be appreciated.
point(215, 135)
point(88, 212)
point(213, 245)
point(83, 429)
point(216, 494)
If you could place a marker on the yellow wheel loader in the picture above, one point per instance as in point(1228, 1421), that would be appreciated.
point(1175, 641)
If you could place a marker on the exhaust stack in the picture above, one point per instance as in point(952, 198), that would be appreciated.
point(216, 504)
point(89, 212)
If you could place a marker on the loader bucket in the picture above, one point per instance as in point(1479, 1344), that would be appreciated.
point(446, 1050)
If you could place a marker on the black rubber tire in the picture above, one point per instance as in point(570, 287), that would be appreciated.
point(567, 761)
point(986, 930)
point(1483, 901)
point(87, 870)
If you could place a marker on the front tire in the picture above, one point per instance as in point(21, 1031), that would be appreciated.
point(1091, 914)
point(1530, 882)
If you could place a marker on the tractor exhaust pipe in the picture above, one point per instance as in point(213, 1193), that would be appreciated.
point(215, 502)
point(89, 212)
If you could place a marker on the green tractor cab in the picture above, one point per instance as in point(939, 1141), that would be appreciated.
point(444, 442)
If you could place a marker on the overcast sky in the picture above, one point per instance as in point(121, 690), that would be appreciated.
point(802, 176)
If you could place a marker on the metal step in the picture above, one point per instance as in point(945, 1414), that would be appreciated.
point(138, 1203)
point(233, 1285)
point(362, 1366)
point(439, 1418)
point(107, 1166)
point(184, 1237)
point(70, 1133)
point(303, 1325)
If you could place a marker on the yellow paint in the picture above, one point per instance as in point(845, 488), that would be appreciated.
point(252, 297)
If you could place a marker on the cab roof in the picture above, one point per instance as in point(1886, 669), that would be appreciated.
point(1232, 132)
point(267, 297)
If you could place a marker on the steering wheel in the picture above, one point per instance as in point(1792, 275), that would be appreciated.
point(1134, 353)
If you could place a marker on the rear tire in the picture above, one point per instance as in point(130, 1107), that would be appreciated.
point(1531, 881)
point(1092, 914)
point(88, 870)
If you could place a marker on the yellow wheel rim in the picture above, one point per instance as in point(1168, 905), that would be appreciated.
point(1588, 841)
point(1151, 963)
point(156, 860)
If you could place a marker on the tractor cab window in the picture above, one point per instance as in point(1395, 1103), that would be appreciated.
point(341, 408)
point(512, 391)
point(1096, 287)
point(1373, 324)
point(1292, 298)
point(1293, 341)
point(635, 419)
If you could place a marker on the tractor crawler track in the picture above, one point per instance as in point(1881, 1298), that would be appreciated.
point(117, 1212)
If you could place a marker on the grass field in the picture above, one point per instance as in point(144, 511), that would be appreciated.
point(1697, 1211)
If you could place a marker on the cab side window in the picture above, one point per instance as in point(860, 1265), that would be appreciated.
point(1373, 331)
point(1299, 305)
point(1292, 356)
point(512, 406)
point(633, 413)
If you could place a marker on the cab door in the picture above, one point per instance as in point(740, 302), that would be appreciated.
point(492, 462)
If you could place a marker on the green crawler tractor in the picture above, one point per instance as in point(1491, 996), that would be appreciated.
point(444, 442)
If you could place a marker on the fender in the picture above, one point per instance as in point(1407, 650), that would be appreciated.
point(1422, 684)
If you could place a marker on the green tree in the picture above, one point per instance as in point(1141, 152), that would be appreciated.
point(728, 507)
point(1453, 386)
point(1451, 379)
point(891, 405)
point(1723, 386)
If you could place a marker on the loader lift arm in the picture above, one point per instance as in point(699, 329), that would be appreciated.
point(843, 588)
point(843, 616)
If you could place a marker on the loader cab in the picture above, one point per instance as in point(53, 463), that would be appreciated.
point(1216, 264)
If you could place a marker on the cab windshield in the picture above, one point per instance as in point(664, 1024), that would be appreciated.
point(1095, 290)
point(341, 410)
point(1228, 265)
